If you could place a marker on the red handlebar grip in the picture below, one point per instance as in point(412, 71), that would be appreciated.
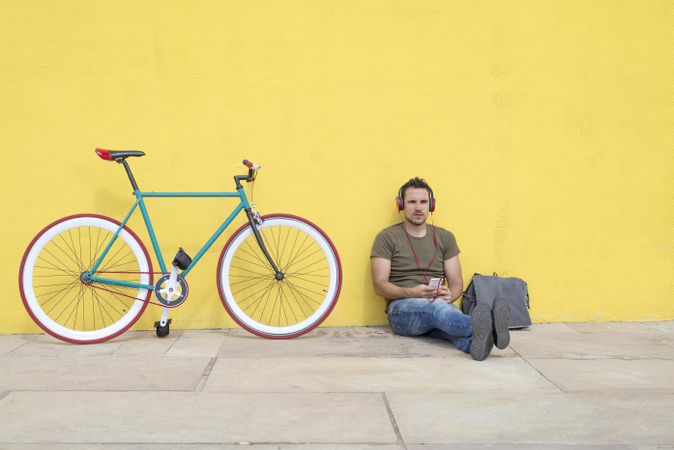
point(247, 163)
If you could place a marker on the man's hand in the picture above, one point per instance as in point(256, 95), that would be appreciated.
point(445, 294)
point(422, 291)
point(426, 291)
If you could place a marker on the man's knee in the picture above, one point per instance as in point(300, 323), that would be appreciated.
point(409, 317)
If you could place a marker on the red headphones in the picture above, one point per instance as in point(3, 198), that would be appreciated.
point(400, 200)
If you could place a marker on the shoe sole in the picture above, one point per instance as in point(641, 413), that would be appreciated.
point(501, 323)
point(483, 339)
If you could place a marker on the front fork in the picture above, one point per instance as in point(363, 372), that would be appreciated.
point(255, 220)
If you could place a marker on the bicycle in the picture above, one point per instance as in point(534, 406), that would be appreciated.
point(88, 278)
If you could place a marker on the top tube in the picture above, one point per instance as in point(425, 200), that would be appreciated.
point(190, 194)
point(243, 204)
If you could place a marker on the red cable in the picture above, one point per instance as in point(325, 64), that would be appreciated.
point(416, 258)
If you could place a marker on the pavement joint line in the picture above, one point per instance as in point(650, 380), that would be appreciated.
point(222, 344)
point(15, 349)
point(243, 444)
point(206, 373)
point(603, 358)
point(173, 343)
point(394, 423)
point(132, 391)
point(538, 371)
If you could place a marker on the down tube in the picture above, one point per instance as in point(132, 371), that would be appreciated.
point(213, 238)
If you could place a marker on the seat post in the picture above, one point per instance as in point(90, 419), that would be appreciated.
point(130, 175)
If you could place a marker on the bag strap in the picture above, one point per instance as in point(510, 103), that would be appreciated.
point(466, 294)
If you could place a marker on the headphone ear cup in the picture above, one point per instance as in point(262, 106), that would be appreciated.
point(431, 204)
point(399, 204)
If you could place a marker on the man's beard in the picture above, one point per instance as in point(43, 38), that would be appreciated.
point(417, 221)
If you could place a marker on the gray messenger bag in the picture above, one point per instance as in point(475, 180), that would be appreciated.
point(485, 288)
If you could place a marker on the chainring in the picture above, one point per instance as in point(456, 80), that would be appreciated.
point(174, 298)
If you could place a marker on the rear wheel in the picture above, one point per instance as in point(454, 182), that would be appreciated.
point(289, 307)
point(56, 292)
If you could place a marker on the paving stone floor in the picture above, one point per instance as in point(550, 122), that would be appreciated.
point(557, 387)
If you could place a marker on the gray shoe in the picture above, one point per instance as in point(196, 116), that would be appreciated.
point(501, 319)
point(483, 336)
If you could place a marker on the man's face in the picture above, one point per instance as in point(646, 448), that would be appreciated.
point(416, 205)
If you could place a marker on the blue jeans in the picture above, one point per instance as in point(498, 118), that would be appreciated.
point(438, 319)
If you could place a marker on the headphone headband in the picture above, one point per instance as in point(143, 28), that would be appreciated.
point(400, 199)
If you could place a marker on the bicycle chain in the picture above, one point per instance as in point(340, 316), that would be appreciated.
point(131, 296)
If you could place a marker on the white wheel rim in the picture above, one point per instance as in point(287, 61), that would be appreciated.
point(290, 329)
point(59, 329)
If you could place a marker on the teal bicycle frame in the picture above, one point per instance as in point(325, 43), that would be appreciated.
point(140, 196)
point(89, 276)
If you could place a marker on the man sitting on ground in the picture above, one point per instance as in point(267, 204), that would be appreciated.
point(406, 257)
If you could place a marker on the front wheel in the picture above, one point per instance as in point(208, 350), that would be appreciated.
point(294, 305)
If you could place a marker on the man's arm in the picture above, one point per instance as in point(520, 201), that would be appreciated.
point(454, 278)
point(381, 269)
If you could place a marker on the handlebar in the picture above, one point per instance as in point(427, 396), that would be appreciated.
point(252, 173)
point(250, 165)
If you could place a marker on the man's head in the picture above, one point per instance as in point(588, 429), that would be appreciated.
point(416, 200)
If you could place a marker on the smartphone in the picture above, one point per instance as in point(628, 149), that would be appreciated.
point(435, 283)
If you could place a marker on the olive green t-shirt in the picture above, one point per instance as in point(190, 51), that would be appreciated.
point(391, 243)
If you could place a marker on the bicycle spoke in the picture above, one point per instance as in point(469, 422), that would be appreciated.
point(265, 294)
point(101, 304)
point(58, 265)
point(58, 269)
point(301, 303)
point(57, 259)
point(253, 249)
point(79, 242)
point(51, 285)
point(239, 258)
point(72, 310)
point(300, 296)
point(264, 288)
point(116, 266)
point(74, 249)
point(72, 254)
point(249, 271)
point(100, 244)
point(283, 245)
point(111, 258)
point(312, 273)
point(292, 277)
point(59, 291)
point(300, 250)
point(287, 302)
point(251, 280)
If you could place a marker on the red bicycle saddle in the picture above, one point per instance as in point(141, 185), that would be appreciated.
point(112, 155)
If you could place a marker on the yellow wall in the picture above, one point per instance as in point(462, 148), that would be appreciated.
point(545, 127)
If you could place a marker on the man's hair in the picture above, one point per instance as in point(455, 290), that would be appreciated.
point(415, 182)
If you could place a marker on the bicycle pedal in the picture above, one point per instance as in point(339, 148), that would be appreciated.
point(182, 260)
point(158, 323)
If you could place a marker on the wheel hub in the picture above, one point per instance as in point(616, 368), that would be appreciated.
point(85, 278)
